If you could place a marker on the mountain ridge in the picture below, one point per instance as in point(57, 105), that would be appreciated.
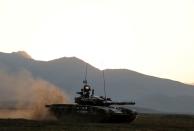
point(122, 84)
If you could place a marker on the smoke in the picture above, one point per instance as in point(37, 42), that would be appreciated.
point(23, 96)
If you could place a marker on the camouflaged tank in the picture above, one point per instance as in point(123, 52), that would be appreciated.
point(91, 108)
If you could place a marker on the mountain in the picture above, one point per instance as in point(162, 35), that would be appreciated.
point(68, 72)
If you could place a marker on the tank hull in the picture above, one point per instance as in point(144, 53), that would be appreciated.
point(77, 113)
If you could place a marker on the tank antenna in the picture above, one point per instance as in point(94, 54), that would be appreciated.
point(104, 82)
point(86, 72)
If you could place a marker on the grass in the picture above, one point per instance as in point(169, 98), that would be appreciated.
point(144, 122)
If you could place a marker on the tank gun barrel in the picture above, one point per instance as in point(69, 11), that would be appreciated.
point(122, 103)
point(119, 103)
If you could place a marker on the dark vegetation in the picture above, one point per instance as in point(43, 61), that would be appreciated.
point(144, 122)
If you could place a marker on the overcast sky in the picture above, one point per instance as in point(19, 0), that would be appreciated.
point(154, 37)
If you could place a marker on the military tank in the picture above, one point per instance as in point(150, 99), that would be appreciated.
point(91, 108)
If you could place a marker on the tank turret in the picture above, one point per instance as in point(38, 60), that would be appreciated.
point(87, 98)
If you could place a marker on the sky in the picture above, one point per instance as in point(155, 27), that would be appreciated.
point(154, 37)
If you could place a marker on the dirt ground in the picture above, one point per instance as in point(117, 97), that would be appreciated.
point(144, 122)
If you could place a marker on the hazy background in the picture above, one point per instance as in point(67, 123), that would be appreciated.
point(153, 37)
point(28, 83)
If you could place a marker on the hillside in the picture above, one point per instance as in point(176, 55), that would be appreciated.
point(122, 84)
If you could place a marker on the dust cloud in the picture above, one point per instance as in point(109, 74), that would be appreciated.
point(23, 96)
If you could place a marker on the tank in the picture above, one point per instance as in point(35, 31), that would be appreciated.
point(91, 108)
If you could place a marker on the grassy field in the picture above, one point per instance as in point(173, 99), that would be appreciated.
point(142, 123)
